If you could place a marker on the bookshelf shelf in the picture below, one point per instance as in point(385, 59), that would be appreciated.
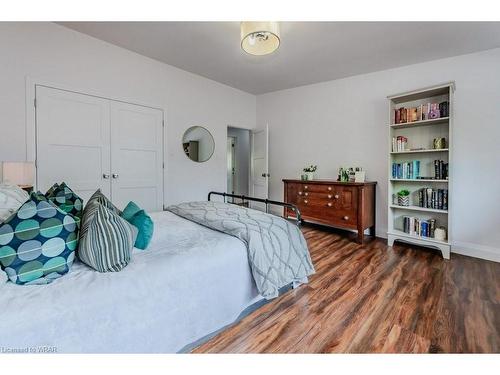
point(400, 233)
point(418, 208)
point(413, 124)
point(419, 151)
point(417, 180)
point(424, 162)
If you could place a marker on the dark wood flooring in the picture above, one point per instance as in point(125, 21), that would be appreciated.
point(374, 299)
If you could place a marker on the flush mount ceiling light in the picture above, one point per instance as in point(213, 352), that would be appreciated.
point(260, 38)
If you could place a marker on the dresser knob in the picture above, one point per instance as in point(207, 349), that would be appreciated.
point(300, 193)
point(329, 204)
point(305, 201)
point(329, 188)
point(305, 187)
point(346, 217)
point(306, 194)
point(336, 196)
point(330, 196)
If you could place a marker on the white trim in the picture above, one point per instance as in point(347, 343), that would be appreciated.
point(429, 88)
point(476, 251)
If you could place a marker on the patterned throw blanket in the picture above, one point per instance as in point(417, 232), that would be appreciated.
point(277, 251)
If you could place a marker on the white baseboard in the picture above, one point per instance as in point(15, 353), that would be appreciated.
point(381, 232)
point(476, 251)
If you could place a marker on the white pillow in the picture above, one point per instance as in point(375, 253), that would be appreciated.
point(11, 198)
point(3, 278)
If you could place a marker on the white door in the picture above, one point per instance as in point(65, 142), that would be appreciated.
point(259, 165)
point(72, 141)
point(136, 156)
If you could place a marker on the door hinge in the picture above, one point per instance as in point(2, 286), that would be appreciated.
point(34, 102)
point(163, 165)
point(163, 123)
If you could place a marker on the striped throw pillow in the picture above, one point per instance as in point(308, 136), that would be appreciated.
point(106, 240)
point(102, 199)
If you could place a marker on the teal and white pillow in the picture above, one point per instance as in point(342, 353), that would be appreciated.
point(106, 240)
point(38, 242)
point(66, 199)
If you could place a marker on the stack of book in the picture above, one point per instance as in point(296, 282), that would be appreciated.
point(433, 198)
point(422, 112)
point(406, 170)
point(399, 143)
point(440, 170)
point(419, 227)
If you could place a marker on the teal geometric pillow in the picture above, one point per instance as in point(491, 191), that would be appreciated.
point(66, 199)
point(51, 190)
point(38, 242)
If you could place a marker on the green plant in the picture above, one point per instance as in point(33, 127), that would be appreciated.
point(311, 168)
point(403, 193)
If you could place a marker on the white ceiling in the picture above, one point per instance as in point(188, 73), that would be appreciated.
point(310, 52)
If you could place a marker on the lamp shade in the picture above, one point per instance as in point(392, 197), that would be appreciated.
point(260, 38)
point(19, 173)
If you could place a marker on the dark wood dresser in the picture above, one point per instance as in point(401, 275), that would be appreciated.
point(348, 205)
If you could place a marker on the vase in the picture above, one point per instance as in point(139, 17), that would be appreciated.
point(309, 176)
point(403, 200)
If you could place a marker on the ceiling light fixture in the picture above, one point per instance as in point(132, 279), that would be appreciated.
point(260, 38)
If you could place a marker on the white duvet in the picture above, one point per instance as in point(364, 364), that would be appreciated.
point(190, 282)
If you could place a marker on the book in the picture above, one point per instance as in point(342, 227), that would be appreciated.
point(433, 198)
point(416, 226)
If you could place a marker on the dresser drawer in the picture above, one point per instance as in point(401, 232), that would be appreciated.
point(318, 188)
point(326, 210)
point(343, 218)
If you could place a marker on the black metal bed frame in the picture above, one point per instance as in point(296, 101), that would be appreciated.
point(267, 202)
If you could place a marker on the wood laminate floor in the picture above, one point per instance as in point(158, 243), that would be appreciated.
point(372, 298)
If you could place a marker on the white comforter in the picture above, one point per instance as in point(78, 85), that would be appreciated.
point(190, 282)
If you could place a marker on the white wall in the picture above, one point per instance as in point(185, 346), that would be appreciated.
point(53, 53)
point(242, 156)
point(345, 122)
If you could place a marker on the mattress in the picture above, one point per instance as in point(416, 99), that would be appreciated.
point(191, 281)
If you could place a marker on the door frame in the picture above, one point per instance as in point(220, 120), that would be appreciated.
point(249, 174)
point(233, 156)
point(30, 125)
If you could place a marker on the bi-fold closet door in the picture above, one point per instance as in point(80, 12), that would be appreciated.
point(94, 143)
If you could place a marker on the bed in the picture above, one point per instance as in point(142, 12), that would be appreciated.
point(191, 282)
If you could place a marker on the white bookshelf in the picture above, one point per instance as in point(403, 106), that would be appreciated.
point(420, 136)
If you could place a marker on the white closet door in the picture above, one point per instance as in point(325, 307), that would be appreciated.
point(73, 141)
point(136, 156)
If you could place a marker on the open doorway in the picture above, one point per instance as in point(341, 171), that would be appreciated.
point(238, 161)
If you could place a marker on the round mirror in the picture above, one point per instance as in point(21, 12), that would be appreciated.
point(198, 144)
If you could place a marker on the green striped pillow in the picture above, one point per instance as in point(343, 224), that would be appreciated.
point(102, 199)
point(106, 240)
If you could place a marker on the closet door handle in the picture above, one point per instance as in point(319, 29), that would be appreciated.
point(115, 175)
point(105, 176)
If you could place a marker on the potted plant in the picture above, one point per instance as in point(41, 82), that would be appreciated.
point(309, 172)
point(404, 197)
